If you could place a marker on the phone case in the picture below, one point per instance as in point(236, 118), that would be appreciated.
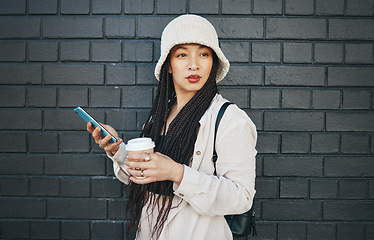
point(88, 118)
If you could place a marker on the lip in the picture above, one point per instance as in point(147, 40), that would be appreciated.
point(193, 78)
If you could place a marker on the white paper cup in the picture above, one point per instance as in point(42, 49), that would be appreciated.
point(140, 145)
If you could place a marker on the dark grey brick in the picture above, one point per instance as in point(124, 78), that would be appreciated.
point(297, 52)
point(77, 208)
point(239, 96)
point(106, 187)
point(345, 121)
point(120, 75)
point(42, 142)
point(267, 188)
point(326, 99)
point(299, 7)
point(325, 143)
point(371, 189)
point(15, 229)
point(145, 74)
point(137, 97)
point(356, 99)
point(105, 97)
point(293, 121)
point(353, 189)
point(295, 28)
point(75, 51)
point(74, 74)
point(75, 230)
point(12, 51)
point(22, 208)
point(119, 27)
point(347, 231)
point(358, 53)
point(74, 165)
point(107, 230)
point(122, 119)
point(14, 186)
point(323, 189)
point(369, 231)
point(343, 166)
point(12, 28)
point(70, 142)
point(12, 97)
point(291, 210)
point(72, 27)
point(12, 7)
point(41, 97)
point(329, 7)
point(151, 27)
point(42, 6)
point(75, 6)
point(266, 52)
point(355, 143)
point(117, 209)
point(293, 166)
point(106, 51)
point(72, 97)
point(294, 188)
point(12, 142)
point(43, 51)
point(292, 231)
point(295, 143)
point(21, 119)
point(139, 6)
point(360, 8)
point(256, 117)
point(321, 231)
point(236, 7)
point(236, 51)
point(106, 6)
point(268, 143)
point(75, 187)
point(267, 7)
point(171, 7)
point(31, 164)
point(67, 120)
point(45, 230)
point(44, 186)
point(328, 52)
point(296, 98)
point(350, 29)
point(20, 74)
point(348, 211)
point(243, 75)
point(351, 76)
point(137, 51)
point(265, 98)
point(266, 230)
point(207, 6)
point(294, 75)
point(238, 28)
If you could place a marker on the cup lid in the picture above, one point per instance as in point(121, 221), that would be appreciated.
point(139, 144)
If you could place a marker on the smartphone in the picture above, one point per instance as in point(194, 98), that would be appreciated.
point(88, 118)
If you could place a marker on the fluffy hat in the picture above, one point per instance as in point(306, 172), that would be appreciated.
point(191, 28)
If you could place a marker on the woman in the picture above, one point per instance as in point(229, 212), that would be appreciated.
point(180, 197)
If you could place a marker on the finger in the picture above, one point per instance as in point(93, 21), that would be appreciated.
point(140, 156)
point(90, 127)
point(96, 134)
point(105, 140)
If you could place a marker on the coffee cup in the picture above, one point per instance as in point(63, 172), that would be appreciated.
point(140, 145)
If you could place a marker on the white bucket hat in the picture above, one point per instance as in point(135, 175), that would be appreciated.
point(191, 28)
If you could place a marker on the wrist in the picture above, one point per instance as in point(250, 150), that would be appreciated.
point(178, 176)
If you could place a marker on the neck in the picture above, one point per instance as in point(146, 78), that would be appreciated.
point(182, 100)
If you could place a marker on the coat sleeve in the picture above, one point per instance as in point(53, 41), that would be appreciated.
point(119, 167)
point(232, 190)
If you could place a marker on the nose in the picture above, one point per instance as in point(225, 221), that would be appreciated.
point(193, 64)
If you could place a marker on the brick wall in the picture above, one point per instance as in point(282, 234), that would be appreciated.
point(303, 70)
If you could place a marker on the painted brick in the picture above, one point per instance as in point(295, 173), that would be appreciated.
point(122, 119)
point(72, 97)
point(45, 230)
point(321, 231)
point(204, 7)
point(43, 51)
point(119, 27)
point(12, 51)
point(325, 143)
point(239, 96)
point(256, 117)
point(238, 28)
point(265, 98)
point(105, 97)
point(107, 230)
point(324, 189)
point(297, 52)
point(294, 188)
point(299, 7)
point(369, 231)
point(350, 76)
point(295, 28)
point(151, 27)
point(293, 121)
point(75, 230)
point(171, 7)
point(358, 53)
point(350, 231)
point(137, 97)
point(104, 187)
point(21, 119)
point(120, 75)
point(72, 27)
point(44, 186)
point(328, 52)
point(243, 75)
point(31, 164)
point(294, 75)
point(75, 187)
point(356, 99)
point(106, 51)
point(267, 188)
point(42, 142)
point(137, 51)
point(329, 7)
point(236, 7)
point(77, 208)
point(291, 210)
point(266, 230)
point(74, 74)
point(41, 97)
point(12, 97)
point(145, 74)
point(267, 143)
point(106, 6)
point(117, 209)
point(295, 143)
point(326, 99)
point(371, 189)
point(74, 165)
point(13, 28)
point(296, 99)
point(75, 51)
point(266, 52)
point(348, 211)
point(20, 74)
point(353, 189)
point(15, 229)
point(345, 121)
point(42, 6)
point(141, 118)
point(22, 208)
point(236, 51)
point(293, 166)
point(355, 143)
point(14, 186)
point(73, 142)
point(360, 7)
point(292, 230)
point(267, 6)
point(75, 6)
point(351, 29)
point(12, 7)
point(343, 166)
point(139, 6)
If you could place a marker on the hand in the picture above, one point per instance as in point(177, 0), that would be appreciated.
point(111, 148)
point(159, 168)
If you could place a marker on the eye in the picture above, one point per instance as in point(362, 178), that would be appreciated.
point(181, 55)
point(204, 54)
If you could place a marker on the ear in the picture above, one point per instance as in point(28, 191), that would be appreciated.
point(170, 70)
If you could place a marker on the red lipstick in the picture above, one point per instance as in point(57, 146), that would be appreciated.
point(193, 78)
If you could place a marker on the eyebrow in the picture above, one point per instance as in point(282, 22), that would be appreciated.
point(184, 48)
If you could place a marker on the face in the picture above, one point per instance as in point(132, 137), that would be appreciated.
point(190, 65)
